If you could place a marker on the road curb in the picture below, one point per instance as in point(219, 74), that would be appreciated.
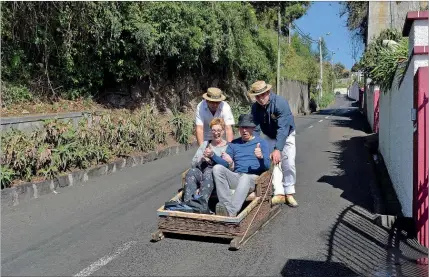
point(15, 195)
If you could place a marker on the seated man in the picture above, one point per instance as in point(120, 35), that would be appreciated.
point(245, 159)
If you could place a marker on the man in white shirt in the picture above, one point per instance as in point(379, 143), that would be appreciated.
point(213, 106)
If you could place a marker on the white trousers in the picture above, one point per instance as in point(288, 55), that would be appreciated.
point(287, 165)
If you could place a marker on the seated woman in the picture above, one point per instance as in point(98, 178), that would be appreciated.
point(200, 175)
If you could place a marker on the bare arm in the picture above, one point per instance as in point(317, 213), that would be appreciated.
point(200, 134)
point(229, 133)
point(198, 155)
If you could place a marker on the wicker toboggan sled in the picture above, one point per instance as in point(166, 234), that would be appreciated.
point(256, 212)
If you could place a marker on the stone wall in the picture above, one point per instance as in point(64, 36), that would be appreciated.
point(167, 96)
point(184, 93)
point(297, 95)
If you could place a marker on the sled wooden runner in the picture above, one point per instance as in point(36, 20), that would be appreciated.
point(256, 208)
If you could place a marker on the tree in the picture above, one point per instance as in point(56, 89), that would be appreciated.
point(326, 54)
point(357, 18)
point(341, 71)
point(290, 11)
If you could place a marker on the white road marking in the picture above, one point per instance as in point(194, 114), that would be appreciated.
point(321, 120)
point(105, 260)
point(327, 116)
point(310, 127)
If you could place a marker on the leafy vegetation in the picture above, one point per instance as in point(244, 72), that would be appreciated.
point(76, 50)
point(381, 62)
point(357, 17)
point(61, 147)
point(47, 46)
point(237, 109)
point(183, 127)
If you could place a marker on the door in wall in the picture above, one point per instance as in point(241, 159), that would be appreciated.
point(420, 118)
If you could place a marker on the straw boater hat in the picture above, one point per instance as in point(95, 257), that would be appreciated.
point(259, 87)
point(214, 94)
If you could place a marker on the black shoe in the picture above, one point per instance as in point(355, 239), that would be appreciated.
point(221, 210)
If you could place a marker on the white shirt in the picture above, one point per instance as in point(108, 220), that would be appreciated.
point(204, 116)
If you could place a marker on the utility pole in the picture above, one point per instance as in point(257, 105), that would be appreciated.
point(321, 67)
point(289, 28)
point(333, 71)
point(278, 51)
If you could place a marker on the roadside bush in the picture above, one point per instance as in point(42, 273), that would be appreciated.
point(382, 62)
point(239, 108)
point(60, 147)
point(14, 93)
point(327, 99)
point(6, 176)
point(183, 127)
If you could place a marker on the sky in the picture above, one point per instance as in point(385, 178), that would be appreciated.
point(323, 17)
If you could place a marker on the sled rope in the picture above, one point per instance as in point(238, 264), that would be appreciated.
point(263, 198)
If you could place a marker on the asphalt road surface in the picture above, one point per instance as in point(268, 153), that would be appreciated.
point(103, 227)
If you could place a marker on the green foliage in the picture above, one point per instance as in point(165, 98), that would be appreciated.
point(381, 62)
point(341, 71)
point(326, 54)
point(327, 99)
point(59, 146)
point(6, 176)
point(239, 108)
point(73, 49)
point(299, 62)
point(390, 60)
point(370, 57)
point(11, 93)
point(290, 11)
point(183, 127)
point(357, 17)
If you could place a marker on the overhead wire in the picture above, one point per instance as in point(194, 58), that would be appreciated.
point(307, 36)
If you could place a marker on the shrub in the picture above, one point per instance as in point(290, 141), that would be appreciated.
point(59, 146)
point(183, 127)
point(11, 93)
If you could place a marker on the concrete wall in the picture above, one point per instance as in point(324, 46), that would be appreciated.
point(389, 14)
point(418, 35)
point(354, 91)
point(32, 122)
point(396, 127)
point(297, 95)
point(396, 139)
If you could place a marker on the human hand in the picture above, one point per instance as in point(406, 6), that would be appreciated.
point(205, 159)
point(226, 157)
point(208, 152)
point(276, 156)
point(258, 151)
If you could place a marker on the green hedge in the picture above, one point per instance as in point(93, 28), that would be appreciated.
point(73, 49)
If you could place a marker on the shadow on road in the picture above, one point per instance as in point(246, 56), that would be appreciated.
point(359, 247)
point(356, 245)
point(354, 173)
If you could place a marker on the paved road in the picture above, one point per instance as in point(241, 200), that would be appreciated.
point(103, 227)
